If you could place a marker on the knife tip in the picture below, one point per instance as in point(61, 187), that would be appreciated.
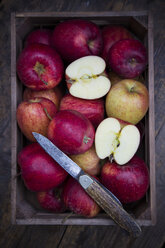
point(35, 134)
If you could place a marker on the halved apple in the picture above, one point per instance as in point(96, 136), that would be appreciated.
point(115, 142)
point(86, 78)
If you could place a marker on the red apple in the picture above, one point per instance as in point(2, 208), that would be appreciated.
point(114, 78)
point(111, 34)
point(42, 36)
point(128, 58)
point(34, 115)
point(54, 95)
point(51, 200)
point(38, 170)
point(71, 132)
point(88, 161)
point(39, 67)
point(129, 182)
point(92, 109)
point(78, 201)
point(74, 39)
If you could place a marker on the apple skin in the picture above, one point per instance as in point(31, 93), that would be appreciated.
point(88, 161)
point(114, 78)
point(71, 132)
point(42, 36)
point(39, 67)
point(128, 58)
point(74, 39)
point(34, 115)
point(92, 109)
point(51, 200)
point(78, 201)
point(55, 95)
point(129, 182)
point(127, 100)
point(111, 34)
point(38, 170)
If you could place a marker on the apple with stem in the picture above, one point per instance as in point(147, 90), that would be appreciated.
point(39, 67)
point(86, 78)
point(119, 144)
point(74, 39)
point(127, 100)
point(55, 95)
point(71, 132)
point(34, 115)
point(128, 58)
point(130, 182)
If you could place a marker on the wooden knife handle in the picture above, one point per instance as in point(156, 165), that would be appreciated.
point(112, 207)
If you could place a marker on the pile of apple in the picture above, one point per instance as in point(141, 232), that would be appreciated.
point(84, 91)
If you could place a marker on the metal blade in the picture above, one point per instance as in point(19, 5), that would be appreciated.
point(71, 167)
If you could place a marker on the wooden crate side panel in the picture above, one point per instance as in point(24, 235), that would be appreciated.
point(13, 120)
point(151, 120)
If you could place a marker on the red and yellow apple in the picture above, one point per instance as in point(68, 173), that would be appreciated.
point(34, 115)
point(88, 161)
point(55, 95)
point(127, 100)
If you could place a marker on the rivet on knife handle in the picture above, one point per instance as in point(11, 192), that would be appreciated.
point(111, 206)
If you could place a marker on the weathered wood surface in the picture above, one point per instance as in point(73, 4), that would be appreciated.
point(79, 236)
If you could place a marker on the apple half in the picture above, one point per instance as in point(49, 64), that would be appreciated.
point(119, 144)
point(86, 78)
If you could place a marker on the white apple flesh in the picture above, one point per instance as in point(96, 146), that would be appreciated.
point(115, 142)
point(86, 78)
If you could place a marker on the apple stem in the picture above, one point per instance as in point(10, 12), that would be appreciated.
point(39, 69)
point(43, 80)
point(111, 158)
point(47, 114)
point(67, 217)
point(86, 139)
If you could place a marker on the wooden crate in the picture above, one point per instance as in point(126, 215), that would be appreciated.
point(23, 204)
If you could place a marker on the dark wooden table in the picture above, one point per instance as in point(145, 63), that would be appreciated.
point(80, 236)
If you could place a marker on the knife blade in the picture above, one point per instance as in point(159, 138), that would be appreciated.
point(104, 198)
